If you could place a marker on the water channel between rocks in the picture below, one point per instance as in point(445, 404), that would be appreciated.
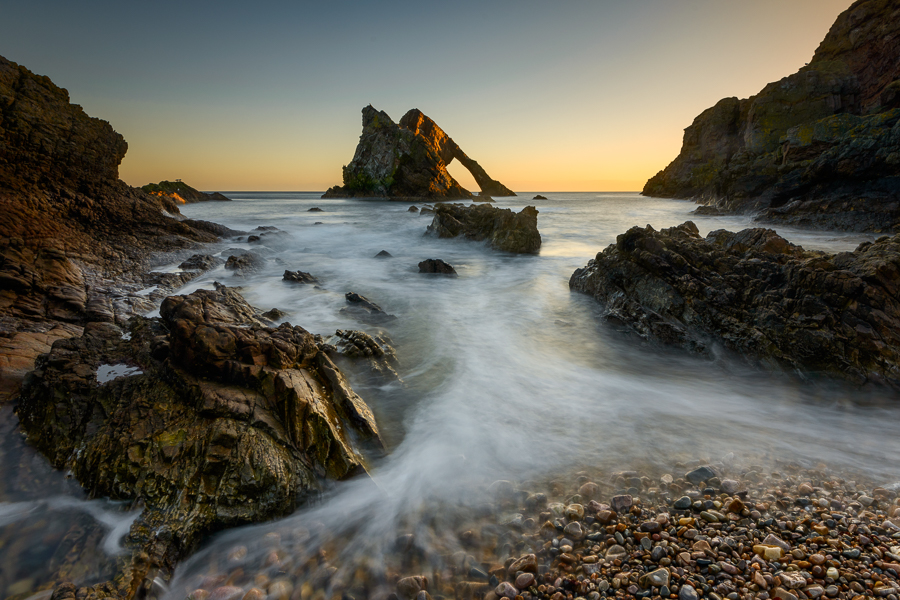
point(507, 375)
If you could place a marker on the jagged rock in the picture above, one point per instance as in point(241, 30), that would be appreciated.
point(363, 309)
point(436, 265)
point(408, 160)
point(201, 262)
point(182, 193)
point(377, 351)
point(757, 294)
point(502, 228)
point(412, 209)
point(245, 263)
point(299, 277)
point(273, 315)
point(819, 148)
point(384, 254)
point(64, 252)
point(223, 422)
point(539, 197)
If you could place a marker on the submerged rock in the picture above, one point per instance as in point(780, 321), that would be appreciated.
point(245, 263)
point(363, 309)
point(500, 227)
point(384, 254)
point(408, 160)
point(819, 148)
point(377, 351)
point(226, 422)
point(200, 262)
point(299, 277)
point(436, 265)
point(757, 294)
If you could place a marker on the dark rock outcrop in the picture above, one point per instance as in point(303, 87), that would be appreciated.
point(364, 310)
point(201, 262)
point(500, 227)
point(820, 148)
point(182, 193)
point(299, 277)
point(69, 229)
point(436, 265)
point(408, 161)
point(757, 294)
point(384, 254)
point(539, 197)
point(213, 420)
point(375, 351)
point(245, 263)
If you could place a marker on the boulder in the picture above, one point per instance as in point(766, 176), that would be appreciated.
point(757, 294)
point(219, 421)
point(375, 351)
point(819, 148)
point(384, 254)
point(412, 209)
point(299, 277)
point(438, 266)
point(245, 263)
point(408, 161)
point(539, 197)
point(500, 227)
point(200, 262)
point(363, 309)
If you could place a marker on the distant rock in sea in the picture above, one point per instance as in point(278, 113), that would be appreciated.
point(182, 193)
point(409, 161)
point(819, 148)
point(757, 294)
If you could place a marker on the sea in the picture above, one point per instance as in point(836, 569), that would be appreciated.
point(507, 376)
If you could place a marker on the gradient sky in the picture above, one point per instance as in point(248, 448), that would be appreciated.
point(547, 96)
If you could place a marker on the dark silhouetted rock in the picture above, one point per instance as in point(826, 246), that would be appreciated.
point(436, 265)
point(500, 227)
point(219, 421)
point(299, 277)
point(539, 197)
point(315, 209)
point(412, 209)
point(408, 160)
point(820, 148)
point(757, 294)
point(363, 309)
point(182, 193)
point(273, 315)
point(245, 263)
point(384, 254)
point(376, 351)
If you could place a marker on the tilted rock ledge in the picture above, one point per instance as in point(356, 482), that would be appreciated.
point(214, 420)
point(408, 161)
point(500, 227)
point(757, 294)
point(820, 148)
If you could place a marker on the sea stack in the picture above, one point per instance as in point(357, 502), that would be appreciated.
point(408, 162)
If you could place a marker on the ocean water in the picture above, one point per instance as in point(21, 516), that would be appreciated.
point(507, 375)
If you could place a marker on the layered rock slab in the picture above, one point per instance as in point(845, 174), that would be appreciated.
point(408, 161)
point(755, 293)
point(501, 228)
point(819, 148)
point(219, 421)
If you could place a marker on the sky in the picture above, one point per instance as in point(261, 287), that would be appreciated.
point(581, 95)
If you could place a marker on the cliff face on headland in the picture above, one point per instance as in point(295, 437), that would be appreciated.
point(181, 192)
point(408, 160)
point(67, 222)
point(818, 148)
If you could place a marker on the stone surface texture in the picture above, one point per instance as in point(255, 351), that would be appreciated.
point(501, 228)
point(755, 293)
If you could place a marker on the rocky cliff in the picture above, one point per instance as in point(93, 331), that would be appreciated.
point(182, 193)
point(819, 148)
point(68, 224)
point(755, 293)
point(408, 160)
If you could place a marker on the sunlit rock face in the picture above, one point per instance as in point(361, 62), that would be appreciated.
point(756, 293)
point(69, 228)
point(818, 148)
point(211, 419)
point(181, 192)
point(408, 160)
